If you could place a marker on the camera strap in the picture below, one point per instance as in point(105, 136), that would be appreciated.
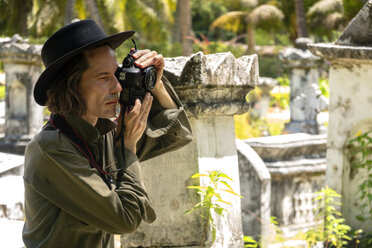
point(122, 142)
point(59, 122)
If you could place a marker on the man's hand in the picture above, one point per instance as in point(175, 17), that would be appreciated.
point(145, 58)
point(135, 122)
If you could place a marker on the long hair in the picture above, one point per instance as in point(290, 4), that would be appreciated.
point(63, 95)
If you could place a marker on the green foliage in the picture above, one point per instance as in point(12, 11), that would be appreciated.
point(270, 65)
point(2, 92)
point(264, 38)
point(279, 99)
point(332, 230)
point(203, 13)
point(324, 86)
point(248, 125)
point(352, 7)
point(210, 199)
point(249, 242)
point(359, 150)
point(283, 80)
point(13, 16)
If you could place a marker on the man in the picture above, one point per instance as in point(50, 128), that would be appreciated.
point(79, 189)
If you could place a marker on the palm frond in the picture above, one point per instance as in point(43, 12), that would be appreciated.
point(249, 3)
point(266, 13)
point(333, 21)
point(325, 6)
point(230, 21)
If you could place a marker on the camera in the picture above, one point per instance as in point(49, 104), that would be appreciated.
point(135, 81)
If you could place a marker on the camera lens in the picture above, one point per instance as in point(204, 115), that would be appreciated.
point(150, 77)
point(128, 61)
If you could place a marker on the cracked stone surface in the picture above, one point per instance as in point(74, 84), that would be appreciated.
point(214, 84)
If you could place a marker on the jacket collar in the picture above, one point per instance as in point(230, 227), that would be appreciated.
point(88, 132)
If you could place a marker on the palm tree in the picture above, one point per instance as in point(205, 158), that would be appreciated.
point(182, 27)
point(93, 11)
point(300, 18)
point(324, 16)
point(266, 16)
point(70, 12)
point(13, 16)
point(151, 19)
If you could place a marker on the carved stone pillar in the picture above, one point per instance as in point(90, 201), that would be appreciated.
point(212, 89)
point(306, 100)
point(24, 118)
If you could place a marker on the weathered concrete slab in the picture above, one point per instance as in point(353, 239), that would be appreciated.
point(283, 147)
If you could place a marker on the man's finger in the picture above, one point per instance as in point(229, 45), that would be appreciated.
point(146, 111)
point(147, 56)
point(140, 53)
point(136, 108)
point(146, 101)
point(159, 61)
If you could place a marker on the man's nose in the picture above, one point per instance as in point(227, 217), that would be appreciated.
point(117, 86)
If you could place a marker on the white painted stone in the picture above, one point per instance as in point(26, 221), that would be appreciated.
point(306, 100)
point(349, 111)
point(255, 187)
point(167, 177)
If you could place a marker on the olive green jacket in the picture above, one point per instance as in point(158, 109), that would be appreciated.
point(67, 204)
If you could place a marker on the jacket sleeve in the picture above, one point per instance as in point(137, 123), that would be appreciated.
point(167, 129)
point(65, 178)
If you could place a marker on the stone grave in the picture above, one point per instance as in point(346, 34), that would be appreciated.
point(285, 173)
point(350, 101)
point(306, 100)
point(23, 116)
point(212, 88)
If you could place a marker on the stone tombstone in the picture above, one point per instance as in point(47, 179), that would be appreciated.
point(296, 163)
point(22, 66)
point(349, 110)
point(306, 100)
point(212, 89)
point(255, 187)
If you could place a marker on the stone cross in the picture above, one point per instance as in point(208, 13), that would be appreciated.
point(306, 100)
point(22, 66)
point(349, 109)
point(212, 89)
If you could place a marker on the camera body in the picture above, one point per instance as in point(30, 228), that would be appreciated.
point(135, 81)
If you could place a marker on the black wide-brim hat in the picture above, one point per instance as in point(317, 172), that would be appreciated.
point(68, 42)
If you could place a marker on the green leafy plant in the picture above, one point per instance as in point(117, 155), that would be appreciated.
point(2, 92)
point(250, 242)
point(332, 230)
point(211, 199)
point(359, 150)
point(324, 86)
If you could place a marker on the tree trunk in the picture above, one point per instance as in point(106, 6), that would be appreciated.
point(70, 13)
point(94, 12)
point(251, 39)
point(182, 30)
point(300, 18)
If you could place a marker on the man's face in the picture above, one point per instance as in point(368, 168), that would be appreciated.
point(98, 84)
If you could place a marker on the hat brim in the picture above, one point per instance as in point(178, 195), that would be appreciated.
point(45, 79)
